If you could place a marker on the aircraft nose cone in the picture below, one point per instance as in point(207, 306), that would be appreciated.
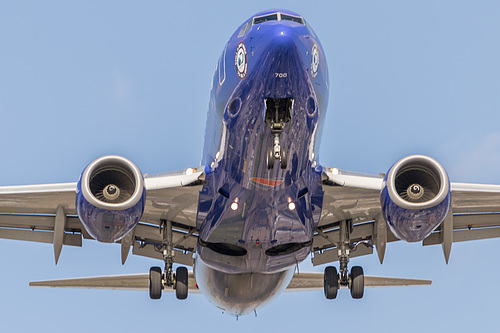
point(281, 62)
point(283, 37)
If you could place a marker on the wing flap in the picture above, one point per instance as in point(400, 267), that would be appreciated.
point(180, 257)
point(40, 236)
point(331, 255)
point(40, 228)
point(326, 238)
point(147, 242)
point(464, 235)
point(38, 222)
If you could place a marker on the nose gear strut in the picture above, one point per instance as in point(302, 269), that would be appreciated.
point(278, 113)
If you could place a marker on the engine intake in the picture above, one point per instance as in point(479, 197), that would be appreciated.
point(415, 197)
point(110, 198)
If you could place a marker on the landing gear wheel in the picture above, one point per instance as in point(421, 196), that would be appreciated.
point(181, 283)
point(357, 282)
point(331, 282)
point(270, 159)
point(155, 282)
point(283, 160)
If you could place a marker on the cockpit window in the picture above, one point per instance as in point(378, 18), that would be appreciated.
point(292, 18)
point(277, 17)
point(244, 30)
point(262, 19)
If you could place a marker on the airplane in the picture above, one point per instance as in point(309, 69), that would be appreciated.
point(260, 202)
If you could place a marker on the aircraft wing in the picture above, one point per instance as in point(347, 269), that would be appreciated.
point(474, 214)
point(137, 282)
point(47, 214)
point(314, 281)
point(300, 282)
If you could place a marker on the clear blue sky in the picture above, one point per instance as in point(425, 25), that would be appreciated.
point(83, 79)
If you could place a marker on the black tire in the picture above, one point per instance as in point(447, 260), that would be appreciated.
point(270, 159)
point(283, 158)
point(155, 284)
point(331, 282)
point(181, 283)
point(357, 282)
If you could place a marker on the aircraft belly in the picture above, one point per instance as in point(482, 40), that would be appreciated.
point(240, 293)
point(247, 230)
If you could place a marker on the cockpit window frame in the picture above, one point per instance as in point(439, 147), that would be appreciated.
point(244, 29)
point(277, 17)
point(265, 18)
point(296, 19)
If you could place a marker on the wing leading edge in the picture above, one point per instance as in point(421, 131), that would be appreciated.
point(47, 213)
point(474, 214)
point(299, 282)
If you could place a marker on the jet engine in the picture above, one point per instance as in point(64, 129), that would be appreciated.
point(110, 198)
point(415, 197)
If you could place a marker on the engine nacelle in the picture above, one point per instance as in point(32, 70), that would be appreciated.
point(415, 197)
point(110, 198)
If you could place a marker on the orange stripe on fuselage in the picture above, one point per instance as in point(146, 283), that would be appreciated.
point(266, 182)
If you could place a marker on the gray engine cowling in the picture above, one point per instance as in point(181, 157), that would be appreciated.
point(415, 197)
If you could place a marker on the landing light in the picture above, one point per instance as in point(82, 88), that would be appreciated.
point(190, 171)
point(234, 206)
point(291, 206)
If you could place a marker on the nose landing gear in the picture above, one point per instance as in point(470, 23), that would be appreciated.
point(277, 153)
point(278, 113)
point(178, 280)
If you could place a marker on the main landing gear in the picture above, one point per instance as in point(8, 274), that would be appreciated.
point(178, 280)
point(278, 112)
point(355, 281)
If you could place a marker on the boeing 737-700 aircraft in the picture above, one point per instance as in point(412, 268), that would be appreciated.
point(261, 202)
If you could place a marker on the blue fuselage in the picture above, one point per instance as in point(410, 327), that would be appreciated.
point(256, 218)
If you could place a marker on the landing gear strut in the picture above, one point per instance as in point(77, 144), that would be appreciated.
point(355, 281)
point(178, 280)
point(278, 112)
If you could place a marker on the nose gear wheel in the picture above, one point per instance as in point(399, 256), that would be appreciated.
point(270, 159)
point(283, 161)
